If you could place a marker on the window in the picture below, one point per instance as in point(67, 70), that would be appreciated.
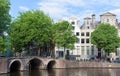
point(78, 47)
point(87, 50)
point(78, 41)
point(82, 40)
point(107, 20)
point(87, 33)
point(82, 50)
point(73, 23)
point(78, 22)
point(77, 33)
point(87, 40)
point(92, 50)
point(82, 34)
point(73, 27)
point(87, 27)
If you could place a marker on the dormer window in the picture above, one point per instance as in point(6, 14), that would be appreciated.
point(73, 23)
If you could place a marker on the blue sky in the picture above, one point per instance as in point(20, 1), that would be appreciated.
point(64, 9)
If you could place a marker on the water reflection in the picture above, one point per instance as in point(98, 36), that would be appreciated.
point(68, 72)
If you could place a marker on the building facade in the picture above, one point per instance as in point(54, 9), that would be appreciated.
point(83, 46)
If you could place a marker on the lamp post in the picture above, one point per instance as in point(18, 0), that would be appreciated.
point(7, 46)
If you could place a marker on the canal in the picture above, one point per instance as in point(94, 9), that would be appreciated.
point(67, 72)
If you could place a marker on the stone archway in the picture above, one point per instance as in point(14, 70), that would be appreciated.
point(51, 64)
point(15, 65)
point(35, 64)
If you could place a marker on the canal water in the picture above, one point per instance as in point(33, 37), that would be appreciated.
point(67, 72)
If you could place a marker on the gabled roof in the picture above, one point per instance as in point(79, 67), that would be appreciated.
point(108, 14)
point(92, 26)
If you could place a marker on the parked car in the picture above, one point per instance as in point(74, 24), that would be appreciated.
point(116, 61)
point(2, 55)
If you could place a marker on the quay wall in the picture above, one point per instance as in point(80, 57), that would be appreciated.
point(5, 64)
point(73, 64)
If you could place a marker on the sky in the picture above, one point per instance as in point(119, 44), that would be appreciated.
point(64, 9)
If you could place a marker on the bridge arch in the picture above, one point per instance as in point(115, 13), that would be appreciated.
point(35, 64)
point(51, 64)
point(15, 65)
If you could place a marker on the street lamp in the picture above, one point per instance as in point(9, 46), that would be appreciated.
point(7, 47)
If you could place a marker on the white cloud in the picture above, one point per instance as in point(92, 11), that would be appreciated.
point(114, 2)
point(117, 12)
point(59, 9)
point(53, 9)
point(72, 2)
point(63, 9)
point(111, 2)
point(67, 2)
point(24, 8)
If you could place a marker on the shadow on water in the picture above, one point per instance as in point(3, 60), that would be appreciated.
point(67, 72)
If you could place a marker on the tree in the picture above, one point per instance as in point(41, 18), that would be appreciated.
point(5, 20)
point(2, 45)
point(30, 29)
point(35, 29)
point(63, 35)
point(5, 17)
point(105, 37)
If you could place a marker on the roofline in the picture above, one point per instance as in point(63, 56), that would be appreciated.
point(87, 18)
point(108, 12)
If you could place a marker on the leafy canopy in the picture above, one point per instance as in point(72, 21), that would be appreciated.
point(5, 17)
point(5, 20)
point(31, 27)
point(34, 28)
point(106, 37)
point(64, 35)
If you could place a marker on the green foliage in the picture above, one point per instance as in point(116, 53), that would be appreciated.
point(29, 28)
point(2, 44)
point(64, 36)
point(35, 29)
point(5, 20)
point(5, 17)
point(106, 37)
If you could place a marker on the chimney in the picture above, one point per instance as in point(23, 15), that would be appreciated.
point(93, 18)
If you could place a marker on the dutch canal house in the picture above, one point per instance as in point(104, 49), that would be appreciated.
point(84, 50)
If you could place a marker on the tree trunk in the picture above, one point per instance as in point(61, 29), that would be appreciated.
point(64, 53)
point(53, 50)
point(99, 53)
point(38, 51)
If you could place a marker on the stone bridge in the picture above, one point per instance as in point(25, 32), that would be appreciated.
point(32, 63)
point(29, 63)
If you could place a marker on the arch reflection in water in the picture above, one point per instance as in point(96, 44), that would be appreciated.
point(18, 73)
point(70, 72)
